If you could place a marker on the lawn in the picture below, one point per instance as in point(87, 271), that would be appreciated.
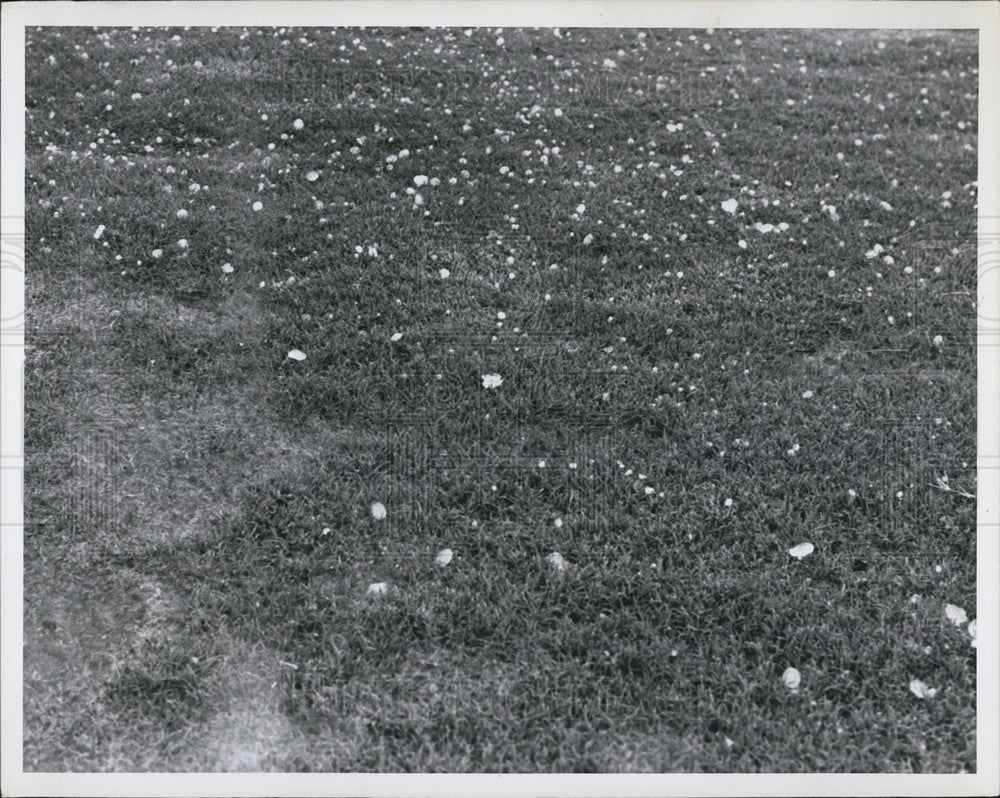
point(616, 317)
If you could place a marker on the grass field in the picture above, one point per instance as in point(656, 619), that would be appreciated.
point(666, 303)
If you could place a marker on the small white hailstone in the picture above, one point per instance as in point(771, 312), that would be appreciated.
point(378, 589)
point(541, 464)
point(396, 336)
point(649, 491)
point(729, 206)
point(182, 213)
point(99, 231)
point(194, 188)
point(296, 354)
point(227, 268)
point(501, 315)
point(183, 244)
point(557, 112)
point(921, 690)
point(157, 253)
point(492, 380)
point(609, 63)
point(420, 180)
point(956, 614)
point(557, 561)
point(831, 273)
point(378, 511)
point(326, 530)
point(559, 522)
point(742, 244)
point(444, 274)
point(802, 550)
point(807, 394)
point(728, 502)
point(588, 239)
point(298, 124)
point(258, 206)
point(791, 678)
point(444, 557)
point(938, 340)
point(312, 175)
point(581, 208)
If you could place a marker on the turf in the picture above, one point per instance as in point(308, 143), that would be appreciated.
point(686, 394)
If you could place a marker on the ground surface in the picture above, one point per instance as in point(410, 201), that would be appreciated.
point(711, 275)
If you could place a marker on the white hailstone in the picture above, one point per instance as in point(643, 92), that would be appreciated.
point(938, 340)
point(99, 231)
point(182, 214)
point(157, 253)
point(729, 206)
point(742, 244)
point(298, 124)
point(541, 464)
point(444, 557)
point(444, 274)
point(921, 690)
point(227, 268)
point(791, 678)
point(728, 502)
point(609, 63)
point(492, 380)
point(183, 244)
point(802, 550)
point(378, 589)
point(296, 354)
point(194, 188)
point(501, 315)
point(807, 394)
point(258, 206)
point(312, 175)
point(136, 96)
point(559, 522)
point(557, 561)
point(589, 238)
point(831, 273)
point(557, 112)
point(378, 511)
point(956, 614)
point(581, 208)
point(420, 180)
point(396, 336)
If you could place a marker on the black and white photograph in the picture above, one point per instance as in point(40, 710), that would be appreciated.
point(472, 389)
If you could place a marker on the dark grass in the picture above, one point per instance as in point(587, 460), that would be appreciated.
point(184, 607)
